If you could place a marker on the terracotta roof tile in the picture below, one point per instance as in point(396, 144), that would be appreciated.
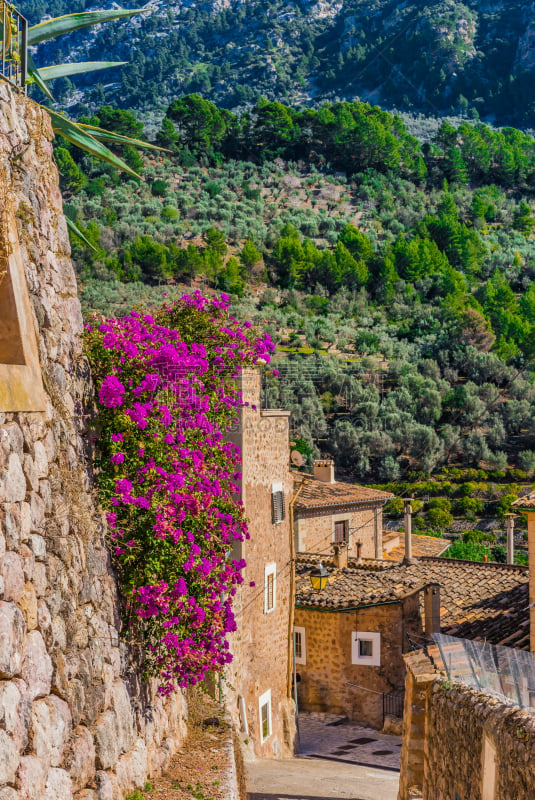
point(527, 502)
point(421, 546)
point(316, 493)
point(478, 600)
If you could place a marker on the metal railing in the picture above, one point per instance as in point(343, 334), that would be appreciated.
point(393, 704)
point(13, 45)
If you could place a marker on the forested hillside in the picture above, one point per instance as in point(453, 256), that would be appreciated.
point(444, 56)
point(398, 281)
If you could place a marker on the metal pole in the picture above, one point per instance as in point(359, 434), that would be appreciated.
point(24, 54)
point(295, 699)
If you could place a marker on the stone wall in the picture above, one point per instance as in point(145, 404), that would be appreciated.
point(314, 528)
point(329, 671)
point(261, 645)
point(75, 721)
point(459, 743)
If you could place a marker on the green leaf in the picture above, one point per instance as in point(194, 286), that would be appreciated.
point(35, 77)
point(77, 232)
point(77, 136)
point(63, 70)
point(72, 22)
point(117, 138)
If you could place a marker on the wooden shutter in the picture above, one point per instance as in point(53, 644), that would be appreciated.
point(278, 509)
point(340, 531)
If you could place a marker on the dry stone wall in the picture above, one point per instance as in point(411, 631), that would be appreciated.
point(75, 720)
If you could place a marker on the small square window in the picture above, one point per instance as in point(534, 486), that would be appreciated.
point(365, 648)
point(264, 710)
point(270, 587)
point(300, 646)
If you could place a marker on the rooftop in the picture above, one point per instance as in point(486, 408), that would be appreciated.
point(526, 503)
point(394, 546)
point(478, 600)
point(317, 494)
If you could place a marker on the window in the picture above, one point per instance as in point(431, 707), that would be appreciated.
point(366, 649)
point(341, 531)
point(264, 710)
point(278, 509)
point(270, 587)
point(300, 645)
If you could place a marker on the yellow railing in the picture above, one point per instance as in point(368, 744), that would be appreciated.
point(13, 45)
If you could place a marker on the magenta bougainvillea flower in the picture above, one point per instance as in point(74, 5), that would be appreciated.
point(167, 475)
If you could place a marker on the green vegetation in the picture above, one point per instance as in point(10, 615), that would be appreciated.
point(462, 57)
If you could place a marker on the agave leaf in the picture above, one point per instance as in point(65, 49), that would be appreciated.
point(117, 138)
point(36, 78)
point(77, 136)
point(63, 70)
point(77, 232)
point(72, 22)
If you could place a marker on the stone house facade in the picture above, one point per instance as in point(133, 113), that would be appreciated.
point(526, 505)
point(259, 677)
point(328, 512)
point(460, 743)
point(76, 723)
point(351, 636)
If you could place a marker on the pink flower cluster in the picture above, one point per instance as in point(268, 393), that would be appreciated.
point(168, 477)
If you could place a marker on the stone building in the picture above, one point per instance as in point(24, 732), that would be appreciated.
point(259, 677)
point(328, 512)
point(352, 635)
point(75, 719)
point(462, 743)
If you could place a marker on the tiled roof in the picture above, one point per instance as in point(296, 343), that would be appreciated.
point(316, 493)
point(478, 600)
point(527, 502)
point(421, 546)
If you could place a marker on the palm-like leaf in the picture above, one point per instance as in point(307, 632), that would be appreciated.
point(64, 70)
point(116, 138)
point(35, 77)
point(76, 135)
point(51, 28)
point(77, 232)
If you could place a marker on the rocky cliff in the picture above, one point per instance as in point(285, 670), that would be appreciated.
point(75, 720)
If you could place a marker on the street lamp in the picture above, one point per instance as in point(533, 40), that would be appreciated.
point(318, 577)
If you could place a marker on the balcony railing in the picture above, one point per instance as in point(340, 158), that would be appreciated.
point(13, 45)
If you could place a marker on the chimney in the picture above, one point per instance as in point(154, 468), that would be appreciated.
point(432, 608)
point(340, 555)
point(324, 470)
point(510, 523)
point(408, 530)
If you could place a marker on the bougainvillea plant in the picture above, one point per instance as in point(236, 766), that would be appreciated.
point(167, 396)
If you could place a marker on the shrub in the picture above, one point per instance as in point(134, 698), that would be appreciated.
point(468, 505)
point(439, 519)
point(439, 502)
point(467, 551)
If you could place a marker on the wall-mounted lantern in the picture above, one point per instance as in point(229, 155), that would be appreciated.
point(319, 577)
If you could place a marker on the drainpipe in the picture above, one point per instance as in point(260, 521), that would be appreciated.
point(291, 616)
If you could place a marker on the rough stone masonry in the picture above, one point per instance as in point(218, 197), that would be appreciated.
point(75, 720)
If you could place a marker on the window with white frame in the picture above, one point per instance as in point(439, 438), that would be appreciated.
point(270, 587)
point(264, 713)
point(300, 645)
point(366, 648)
point(278, 508)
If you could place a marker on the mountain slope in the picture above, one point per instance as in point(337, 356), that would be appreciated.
point(432, 57)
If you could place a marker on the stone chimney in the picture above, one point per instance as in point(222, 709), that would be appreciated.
point(324, 470)
point(432, 608)
point(510, 538)
point(340, 555)
point(408, 532)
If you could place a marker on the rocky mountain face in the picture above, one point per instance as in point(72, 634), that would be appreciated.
point(434, 57)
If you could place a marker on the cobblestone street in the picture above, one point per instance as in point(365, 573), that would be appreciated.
point(337, 760)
